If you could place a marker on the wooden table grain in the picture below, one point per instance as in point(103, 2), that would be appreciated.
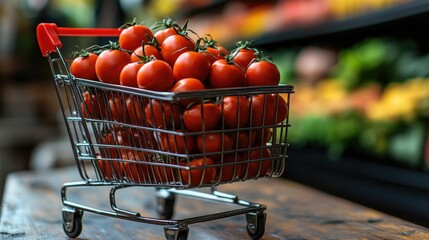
point(32, 210)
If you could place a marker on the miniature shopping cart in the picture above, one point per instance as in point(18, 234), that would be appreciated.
point(118, 146)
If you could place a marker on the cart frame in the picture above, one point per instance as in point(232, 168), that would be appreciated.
point(87, 133)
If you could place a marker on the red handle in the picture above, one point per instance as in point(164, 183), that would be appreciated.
point(47, 35)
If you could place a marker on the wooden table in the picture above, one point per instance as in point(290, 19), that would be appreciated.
point(32, 210)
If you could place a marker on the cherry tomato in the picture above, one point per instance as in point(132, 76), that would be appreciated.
point(229, 172)
point(263, 136)
point(92, 106)
point(201, 117)
point(109, 65)
point(262, 73)
point(163, 173)
point(200, 172)
point(127, 138)
point(134, 167)
point(142, 170)
point(188, 84)
point(117, 109)
point(135, 110)
point(156, 75)
point(149, 50)
point(215, 53)
point(245, 139)
point(128, 76)
point(212, 142)
point(133, 36)
point(163, 34)
point(173, 46)
point(158, 111)
point(176, 143)
point(110, 170)
point(263, 110)
point(142, 138)
point(244, 57)
point(191, 65)
point(113, 140)
point(235, 111)
point(257, 168)
point(282, 109)
point(84, 67)
point(224, 75)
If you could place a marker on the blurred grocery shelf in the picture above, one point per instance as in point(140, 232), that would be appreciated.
point(274, 22)
point(385, 17)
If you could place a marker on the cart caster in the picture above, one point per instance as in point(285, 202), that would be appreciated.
point(165, 203)
point(176, 233)
point(72, 222)
point(256, 224)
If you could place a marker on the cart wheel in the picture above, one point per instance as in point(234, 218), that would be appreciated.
point(72, 222)
point(165, 203)
point(176, 233)
point(256, 224)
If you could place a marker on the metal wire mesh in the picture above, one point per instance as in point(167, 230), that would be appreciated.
point(134, 136)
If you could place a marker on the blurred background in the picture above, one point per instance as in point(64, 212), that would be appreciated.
point(360, 69)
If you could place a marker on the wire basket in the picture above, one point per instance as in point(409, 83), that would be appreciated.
point(124, 136)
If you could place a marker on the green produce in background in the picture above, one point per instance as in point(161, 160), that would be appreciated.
point(374, 101)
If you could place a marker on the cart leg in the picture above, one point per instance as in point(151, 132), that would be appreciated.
point(72, 221)
point(176, 233)
point(256, 224)
point(165, 203)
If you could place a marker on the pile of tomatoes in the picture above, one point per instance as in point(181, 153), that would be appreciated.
point(217, 139)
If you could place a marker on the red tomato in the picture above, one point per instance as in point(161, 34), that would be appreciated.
point(110, 170)
point(244, 57)
point(140, 139)
point(262, 73)
point(229, 172)
point(212, 142)
point(191, 65)
point(188, 84)
point(263, 110)
point(165, 174)
point(173, 46)
point(127, 138)
point(235, 111)
point(135, 168)
point(149, 50)
point(132, 37)
point(84, 67)
point(176, 143)
point(113, 140)
point(201, 117)
point(245, 139)
point(128, 76)
point(263, 136)
point(161, 35)
point(282, 109)
point(117, 109)
point(92, 106)
point(200, 172)
point(109, 65)
point(156, 111)
point(215, 53)
point(224, 75)
point(135, 110)
point(156, 75)
point(257, 168)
